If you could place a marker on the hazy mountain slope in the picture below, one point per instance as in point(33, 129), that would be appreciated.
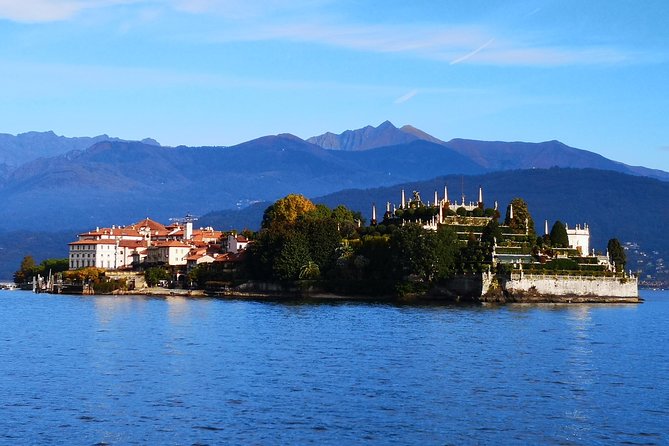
point(628, 207)
point(25, 147)
point(498, 155)
point(115, 181)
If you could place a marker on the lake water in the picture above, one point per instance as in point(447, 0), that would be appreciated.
point(136, 370)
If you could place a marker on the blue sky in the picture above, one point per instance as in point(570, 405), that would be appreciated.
point(592, 74)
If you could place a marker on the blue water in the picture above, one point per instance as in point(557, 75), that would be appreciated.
point(135, 370)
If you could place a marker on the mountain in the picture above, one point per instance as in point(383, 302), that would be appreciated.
point(386, 134)
point(489, 155)
point(25, 147)
point(117, 181)
point(497, 155)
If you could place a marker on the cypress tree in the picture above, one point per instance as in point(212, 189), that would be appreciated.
point(617, 254)
point(559, 238)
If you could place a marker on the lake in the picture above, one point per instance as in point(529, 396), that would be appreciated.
point(140, 370)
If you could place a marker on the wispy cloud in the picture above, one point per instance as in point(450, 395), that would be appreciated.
point(664, 149)
point(244, 9)
point(34, 11)
point(473, 53)
point(405, 97)
point(441, 43)
point(305, 21)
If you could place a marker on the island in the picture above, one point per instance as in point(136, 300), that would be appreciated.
point(417, 250)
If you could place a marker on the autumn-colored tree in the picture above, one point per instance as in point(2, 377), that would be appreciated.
point(90, 274)
point(287, 210)
point(26, 271)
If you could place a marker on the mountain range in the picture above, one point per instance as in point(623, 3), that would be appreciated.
point(50, 183)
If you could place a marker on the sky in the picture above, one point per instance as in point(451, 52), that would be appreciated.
point(592, 74)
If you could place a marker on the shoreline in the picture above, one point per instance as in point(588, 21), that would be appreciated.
point(409, 299)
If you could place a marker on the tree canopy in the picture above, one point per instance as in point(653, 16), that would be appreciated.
point(558, 235)
point(287, 210)
point(617, 254)
point(522, 220)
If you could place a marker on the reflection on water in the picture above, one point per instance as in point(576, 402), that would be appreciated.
point(173, 370)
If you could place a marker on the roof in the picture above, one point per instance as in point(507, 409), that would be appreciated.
point(133, 243)
point(106, 241)
point(148, 223)
point(169, 244)
point(230, 257)
point(113, 232)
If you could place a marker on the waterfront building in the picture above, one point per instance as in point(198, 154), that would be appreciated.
point(148, 242)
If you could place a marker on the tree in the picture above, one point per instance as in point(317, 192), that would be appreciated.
point(491, 233)
point(472, 256)
point(319, 213)
point(323, 240)
point(446, 251)
point(521, 216)
point(293, 255)
point(617, 254)
point(27, 270)
point(287, 210)
point(413, 252)
point(559, 237)
point(309, 271)
point(54, 265)
point(154, 275)
point(88, 274)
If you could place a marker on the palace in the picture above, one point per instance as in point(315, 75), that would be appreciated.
point(149, 243)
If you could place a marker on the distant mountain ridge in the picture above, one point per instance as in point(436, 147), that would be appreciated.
point(117, 181)
point(26, 147)
point(114, 181)
point(386, 134)
point(490, 155)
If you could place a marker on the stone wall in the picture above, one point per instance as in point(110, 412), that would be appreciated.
point(558, 285)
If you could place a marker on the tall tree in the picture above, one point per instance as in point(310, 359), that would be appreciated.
point(522, 220)
point(559, 237)
point(617, 254)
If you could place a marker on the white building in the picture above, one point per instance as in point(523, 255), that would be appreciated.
point(95, 253)
point(103, 253)
point(579, 238)
point(173, 253)
point(236, 243)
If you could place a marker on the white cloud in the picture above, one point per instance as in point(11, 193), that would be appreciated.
point(31, 11)
point(248, 9)
point(402, 99)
